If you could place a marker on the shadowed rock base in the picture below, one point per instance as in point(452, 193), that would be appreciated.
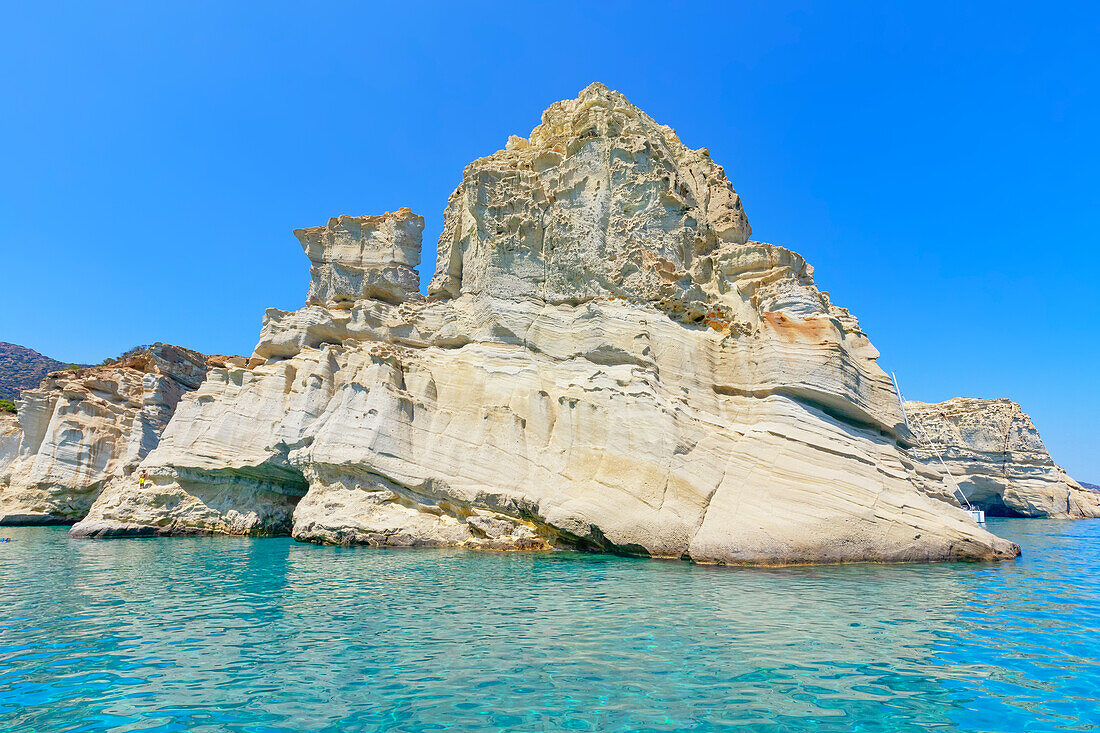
point(33, 520)
point(98, 529)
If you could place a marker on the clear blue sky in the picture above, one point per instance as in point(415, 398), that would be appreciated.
point(937, 163)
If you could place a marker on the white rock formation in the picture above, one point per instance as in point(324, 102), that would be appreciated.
point(604, 360)
point(10, 435)
point(995, 454)
point(357, 257)
point(83, 427)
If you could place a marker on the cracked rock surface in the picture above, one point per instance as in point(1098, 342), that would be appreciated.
point(605, 360)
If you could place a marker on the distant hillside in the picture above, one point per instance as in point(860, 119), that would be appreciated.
point(1094, 487)
point(22, 368)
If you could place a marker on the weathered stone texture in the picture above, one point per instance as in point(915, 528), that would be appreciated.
point(83, 427)
point(357, 257)
point(995, 454)
point(605, 360)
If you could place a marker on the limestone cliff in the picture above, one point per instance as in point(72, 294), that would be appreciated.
point(10, 433)
point(996, 456)
point(604, 360)
point(357, 257)
point(82, 427)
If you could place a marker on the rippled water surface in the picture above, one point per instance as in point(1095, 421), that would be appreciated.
point(223, 634)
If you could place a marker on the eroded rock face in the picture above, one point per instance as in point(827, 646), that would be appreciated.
point(83, 427)
point(604, 360)
point(357, 257)
point(10, 435)
point(996, 456)
point(600, 201)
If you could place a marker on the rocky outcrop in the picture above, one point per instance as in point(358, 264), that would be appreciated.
point(357, 257)
point(81, 428)
point(998, 460)
point(604, 360)
point(10, 434)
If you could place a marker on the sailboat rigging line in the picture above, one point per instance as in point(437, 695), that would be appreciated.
point(923, 437)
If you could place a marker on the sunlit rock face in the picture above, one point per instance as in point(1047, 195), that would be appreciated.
point(83, 427)
point(995, 454)
point(604, 361)
point(357, 257)
point(10, 435)
point(600, 201)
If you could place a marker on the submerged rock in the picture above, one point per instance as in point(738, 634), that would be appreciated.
point(995, 454)
point(83, 427)
point(604, 360)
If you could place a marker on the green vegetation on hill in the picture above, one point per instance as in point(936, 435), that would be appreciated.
point(7, 406)
point(132, 351)
point(22, 368)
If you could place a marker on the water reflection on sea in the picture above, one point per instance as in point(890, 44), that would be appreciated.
point(216, 634)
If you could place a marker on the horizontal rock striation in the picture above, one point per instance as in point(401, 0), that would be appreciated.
point(10, 435)
point(604, 360)
point(995, 454)
point(357, 257)
point(81, 428)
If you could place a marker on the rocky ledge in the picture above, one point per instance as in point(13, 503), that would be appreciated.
point(604, 360)
point(84, 427)
point(994, 453)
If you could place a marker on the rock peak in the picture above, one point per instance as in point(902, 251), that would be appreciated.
point(597, 87)
point(600, 200)
point(596, 105)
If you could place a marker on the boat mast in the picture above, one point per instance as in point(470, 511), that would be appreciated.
point(922, 436)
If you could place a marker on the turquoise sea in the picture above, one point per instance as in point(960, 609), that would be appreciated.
point(226, 634)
